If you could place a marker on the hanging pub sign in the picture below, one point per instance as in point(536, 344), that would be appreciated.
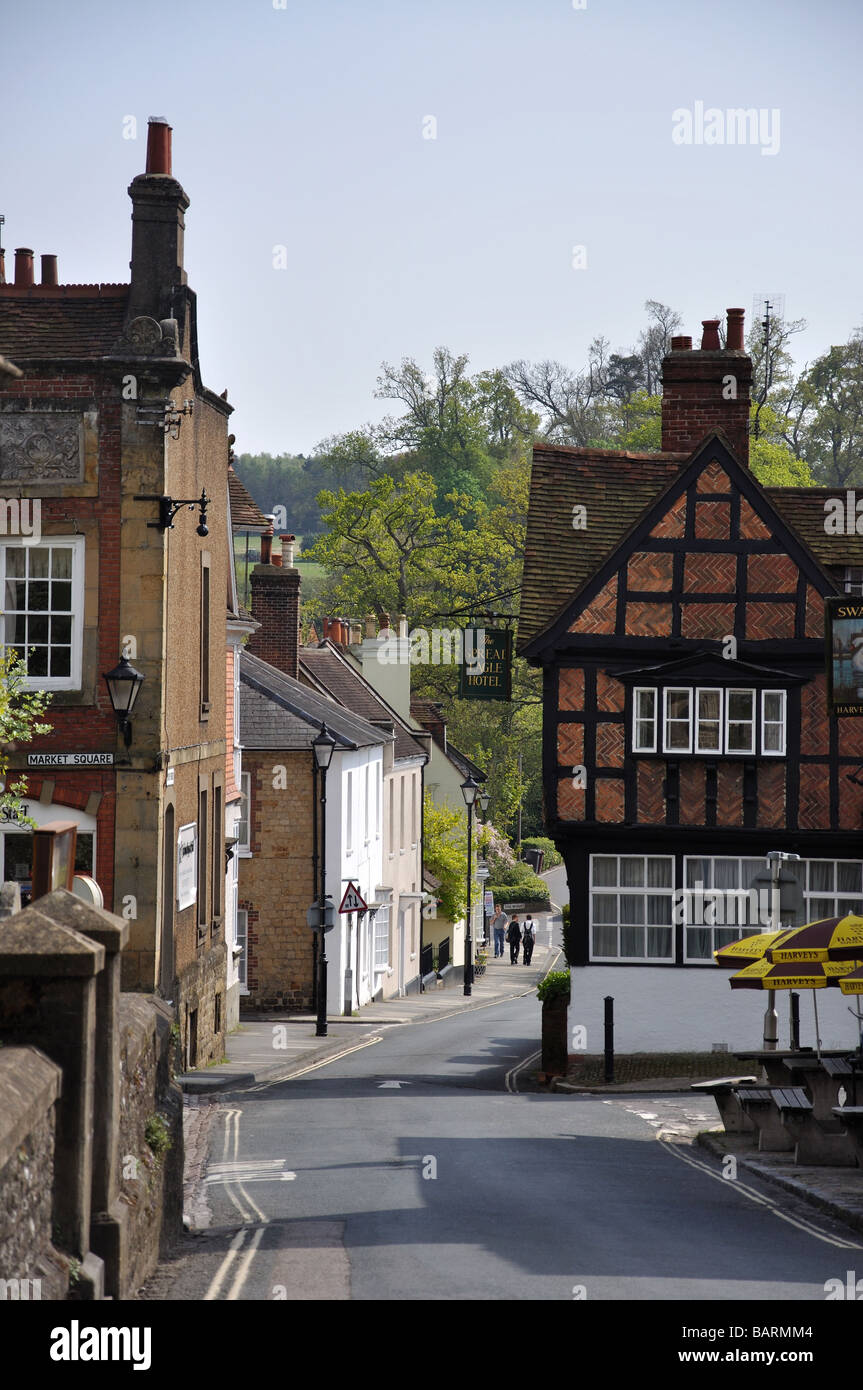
point(486, 668)
point(843, 630)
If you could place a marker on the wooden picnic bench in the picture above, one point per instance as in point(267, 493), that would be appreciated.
point(822, 1080)
point(724, 1091)
point(759, 1103)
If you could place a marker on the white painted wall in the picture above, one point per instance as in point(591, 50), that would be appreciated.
point(658, 1009)
point(354, 851)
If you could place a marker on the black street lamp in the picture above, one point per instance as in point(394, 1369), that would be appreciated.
point(469, 790)
point(123, 684)
point(323, 747)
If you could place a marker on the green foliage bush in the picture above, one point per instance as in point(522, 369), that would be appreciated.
point(554, 987)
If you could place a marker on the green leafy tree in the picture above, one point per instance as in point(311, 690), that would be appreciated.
point(445, 855)
point(20, 720)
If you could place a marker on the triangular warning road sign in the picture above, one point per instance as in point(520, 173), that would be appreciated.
point(352, 902)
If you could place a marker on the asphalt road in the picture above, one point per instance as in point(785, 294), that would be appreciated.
point(413, 1169)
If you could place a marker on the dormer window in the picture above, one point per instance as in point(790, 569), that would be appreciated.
point(708, 721)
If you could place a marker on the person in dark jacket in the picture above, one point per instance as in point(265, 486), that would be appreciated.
point(528, 939)
point(513, 936)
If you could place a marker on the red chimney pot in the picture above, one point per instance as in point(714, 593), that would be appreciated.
point(49, 270)
point(158, 146)
point(23, 265)
point(710, 337)
point(734, 335)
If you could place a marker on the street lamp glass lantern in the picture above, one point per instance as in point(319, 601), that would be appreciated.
point(469, 790)
point(323, 746)
point(484, 799)
point(123, 684)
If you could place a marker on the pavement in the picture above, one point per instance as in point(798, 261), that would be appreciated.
point(279, 1045)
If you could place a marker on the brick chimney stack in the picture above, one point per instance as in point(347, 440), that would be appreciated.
point(276, 606)
point(158, 227)
point(708, 388)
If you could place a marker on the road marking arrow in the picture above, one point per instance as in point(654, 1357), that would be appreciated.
point(396, 1084)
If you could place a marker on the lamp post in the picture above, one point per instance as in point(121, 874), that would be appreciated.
point(123, 683)
point(469, 790)
point(323, 747)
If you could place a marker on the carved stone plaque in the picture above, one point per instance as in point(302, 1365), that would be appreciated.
point(40, 446)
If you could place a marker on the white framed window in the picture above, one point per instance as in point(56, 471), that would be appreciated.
point(244, 823)
point(740, 721)
point(773, 722)
point(644, 721)
point(382, 939)
point(832, 888)
point(242, 943)
point(720, 903)
point(708, 721)
point(631, 899)
point(677, 731)
point(43, 608)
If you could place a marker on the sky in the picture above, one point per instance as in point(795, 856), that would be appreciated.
point(370, 179)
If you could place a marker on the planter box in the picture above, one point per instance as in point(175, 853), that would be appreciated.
point(555, 1016)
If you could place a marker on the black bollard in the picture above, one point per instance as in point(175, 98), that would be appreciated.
point(609, 1040)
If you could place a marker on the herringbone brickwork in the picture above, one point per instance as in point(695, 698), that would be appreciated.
point(771, 795)
point(709, 572)
point(850, 805)
point(814, 613)
point(609, 745)
point(813, 717)
point(600, 615)
point(673, 524)
point(752, 528)
point(729, 794)
point(714, 479)
point(571, 688)
point(692, 806)
point(711, 621)
point(570, 800)
point(814, 796)
point(713, 521)
point(651, 802)
point(610, 694)
point(766, 621)
point(570, 744)
point(609, 799)
point(648, 619)
point(649, 571)
point(850, 739)
point(771, 574)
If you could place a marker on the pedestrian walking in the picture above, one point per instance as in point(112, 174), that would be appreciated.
point(513, 936)
point(528, 939)
point(498, 922)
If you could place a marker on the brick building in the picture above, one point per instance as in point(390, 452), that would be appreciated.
point(676, 607)
point(111, 406)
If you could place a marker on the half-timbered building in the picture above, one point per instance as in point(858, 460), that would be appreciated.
point(676, 607)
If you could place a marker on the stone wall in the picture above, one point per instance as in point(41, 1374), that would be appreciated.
point(150, 1134)
point(30, 1267)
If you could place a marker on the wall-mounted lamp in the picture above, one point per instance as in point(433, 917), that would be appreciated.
point(168, 509)
point(123, 684)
